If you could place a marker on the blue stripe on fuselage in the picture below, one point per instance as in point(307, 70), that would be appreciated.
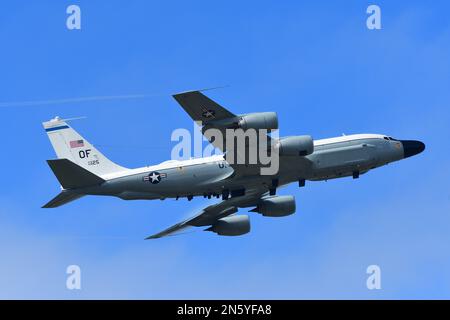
point(56, 128)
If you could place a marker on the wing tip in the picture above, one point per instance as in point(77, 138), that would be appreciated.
point(199, 90)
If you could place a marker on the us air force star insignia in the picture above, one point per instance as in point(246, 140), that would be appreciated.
point(154, 177)
point(208, 113)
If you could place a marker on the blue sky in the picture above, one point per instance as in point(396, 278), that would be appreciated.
point(315, 63)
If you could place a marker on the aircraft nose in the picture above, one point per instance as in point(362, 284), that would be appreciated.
point(412, 147)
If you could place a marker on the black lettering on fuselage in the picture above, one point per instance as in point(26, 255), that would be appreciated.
point(84, 153)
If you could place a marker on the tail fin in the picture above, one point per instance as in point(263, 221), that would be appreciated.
point(68, 144)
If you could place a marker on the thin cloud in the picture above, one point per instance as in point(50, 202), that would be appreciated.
point(32, 103)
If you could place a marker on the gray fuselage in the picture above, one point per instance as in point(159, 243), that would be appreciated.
point(332, 158)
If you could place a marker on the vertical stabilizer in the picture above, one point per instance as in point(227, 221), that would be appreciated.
point(69, 144)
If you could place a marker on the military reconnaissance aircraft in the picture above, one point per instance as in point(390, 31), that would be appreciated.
point(83, 170)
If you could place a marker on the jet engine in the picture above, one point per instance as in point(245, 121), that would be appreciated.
point(295, 146)
point(256, 121)
point(231, 226)
point(260, 120)
point(276, 206)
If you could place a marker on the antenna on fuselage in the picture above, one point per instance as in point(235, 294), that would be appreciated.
point(58, 119)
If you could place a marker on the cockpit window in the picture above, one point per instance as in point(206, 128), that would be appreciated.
point(385, 138)
point(390, 138)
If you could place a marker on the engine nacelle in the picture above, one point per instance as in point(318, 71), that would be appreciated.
point(260, 120)
point(231, 226)
point(276, 206)
point(295, 146)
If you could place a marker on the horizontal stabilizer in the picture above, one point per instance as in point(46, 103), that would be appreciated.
point(63, 197)
point(71, 175)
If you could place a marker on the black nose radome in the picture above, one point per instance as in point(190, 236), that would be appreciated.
point(412, 147)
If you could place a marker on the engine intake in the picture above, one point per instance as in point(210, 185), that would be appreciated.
point(260, 120)
point(295, 146)
point(231, 226)
point(276, 206)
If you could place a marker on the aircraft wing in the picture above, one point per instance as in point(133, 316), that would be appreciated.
point(211, 115)
point(201, 108)
point(212, 213)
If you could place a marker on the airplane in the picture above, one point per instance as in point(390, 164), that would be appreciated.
point(82, 170)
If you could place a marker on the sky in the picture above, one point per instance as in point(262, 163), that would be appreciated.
point(313, 62)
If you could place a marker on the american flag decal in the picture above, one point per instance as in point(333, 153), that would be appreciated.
point(76, 143)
